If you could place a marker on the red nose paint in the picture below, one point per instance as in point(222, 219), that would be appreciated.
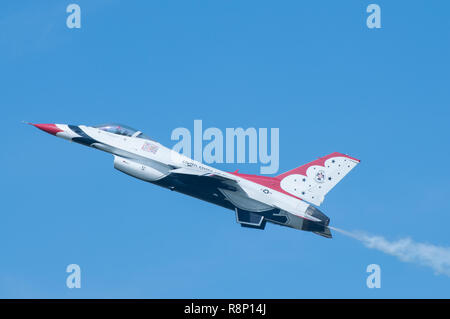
point(49, 128)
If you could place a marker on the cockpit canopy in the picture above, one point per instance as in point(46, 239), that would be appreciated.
point(120, 129)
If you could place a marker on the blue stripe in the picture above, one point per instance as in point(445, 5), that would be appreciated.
point(84, 138)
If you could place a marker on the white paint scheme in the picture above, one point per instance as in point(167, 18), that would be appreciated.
point(150, 161)
point(313, 189)
point(167, 156)
point(144, 172)
point(66, 133)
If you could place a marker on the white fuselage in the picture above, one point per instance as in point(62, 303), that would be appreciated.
point(255, 199)
point(165, 158)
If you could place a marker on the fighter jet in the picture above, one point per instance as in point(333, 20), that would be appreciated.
point(289, 199)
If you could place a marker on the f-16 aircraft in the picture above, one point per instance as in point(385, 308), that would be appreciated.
point(286, 199)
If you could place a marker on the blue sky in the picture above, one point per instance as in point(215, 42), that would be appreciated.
point(312, 69)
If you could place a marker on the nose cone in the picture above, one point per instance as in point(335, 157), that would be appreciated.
point(49, 128)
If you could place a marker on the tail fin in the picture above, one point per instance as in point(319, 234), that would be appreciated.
point(314, 180)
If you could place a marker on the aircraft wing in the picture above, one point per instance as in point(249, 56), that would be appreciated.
point(197, 172)
point(228, 186)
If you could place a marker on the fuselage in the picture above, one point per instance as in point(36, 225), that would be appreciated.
point(141, 157)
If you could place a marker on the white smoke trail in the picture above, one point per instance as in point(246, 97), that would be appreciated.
point(407, 250)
